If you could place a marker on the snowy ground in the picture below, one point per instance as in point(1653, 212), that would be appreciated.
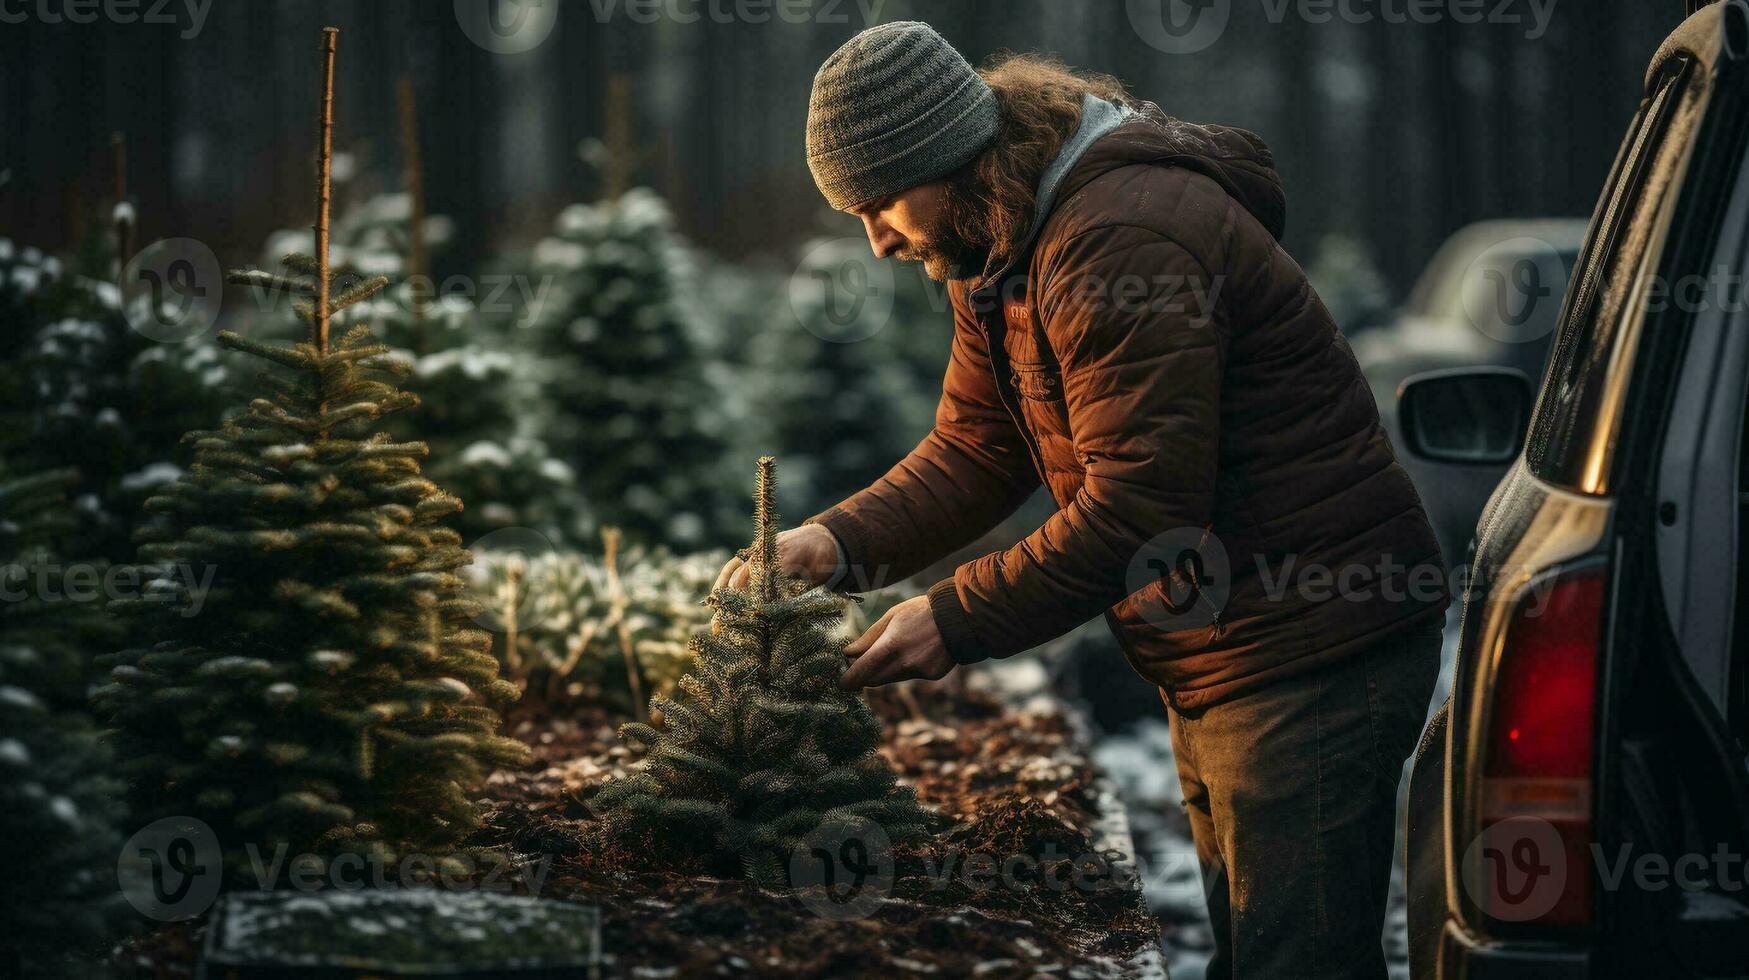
point(1139, 759)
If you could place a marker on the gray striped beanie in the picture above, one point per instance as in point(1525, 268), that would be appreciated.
point(893, 108)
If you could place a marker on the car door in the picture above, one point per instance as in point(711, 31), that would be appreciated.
point(1641, 772)
point(1673, 803)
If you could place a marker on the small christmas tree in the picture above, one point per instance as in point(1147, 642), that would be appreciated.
point(760, 746)
point(331, 694)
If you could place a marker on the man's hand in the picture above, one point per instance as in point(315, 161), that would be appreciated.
point(808, 552)
point(904, 645)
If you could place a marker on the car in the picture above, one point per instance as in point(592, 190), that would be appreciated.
point(1489, 297)
point(1579, 805)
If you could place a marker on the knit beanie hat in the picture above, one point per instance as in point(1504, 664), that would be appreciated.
point(893, 108)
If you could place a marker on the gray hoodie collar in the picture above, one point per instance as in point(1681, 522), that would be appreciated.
point(1098, 117)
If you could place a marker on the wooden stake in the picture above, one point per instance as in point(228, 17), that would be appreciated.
point(512, 656)
point(418, 276)
point(622, 630)
point(621, 145)
point(324, 169)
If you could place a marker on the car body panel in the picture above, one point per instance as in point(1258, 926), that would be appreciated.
point(1580, 495)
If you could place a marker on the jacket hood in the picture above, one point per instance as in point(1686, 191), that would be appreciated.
point(1234, 158)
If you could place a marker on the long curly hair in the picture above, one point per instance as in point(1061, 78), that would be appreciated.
point(990, 201)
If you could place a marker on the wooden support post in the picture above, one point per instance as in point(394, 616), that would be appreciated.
point(417, 274)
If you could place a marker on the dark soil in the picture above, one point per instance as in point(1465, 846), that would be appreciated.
point(1015, 785)
point(1015, 790)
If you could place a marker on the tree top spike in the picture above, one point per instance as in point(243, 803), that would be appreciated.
point(324, 165)
point(765, 567)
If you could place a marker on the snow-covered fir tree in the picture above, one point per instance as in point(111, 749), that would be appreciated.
point(82, 388)
point(616, 339)
point(59, 805)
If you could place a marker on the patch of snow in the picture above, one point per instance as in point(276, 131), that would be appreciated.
point(557, 470)
point(477, 363)
point(558, 253)
point(486, 453)
point(17, 697)
point(14, 753)
point(150, 476)
point(64, 810)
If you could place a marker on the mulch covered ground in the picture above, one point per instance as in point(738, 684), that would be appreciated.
point(1015, 782)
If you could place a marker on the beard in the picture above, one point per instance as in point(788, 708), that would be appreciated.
point(943, 252)
point(938, 265)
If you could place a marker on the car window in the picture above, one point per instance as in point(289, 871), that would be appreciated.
point(1573, 428)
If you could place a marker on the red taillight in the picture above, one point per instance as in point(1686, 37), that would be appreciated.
point(1537, 763)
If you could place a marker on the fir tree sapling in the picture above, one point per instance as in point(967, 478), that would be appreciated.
point(331, 693)
point(759, 747)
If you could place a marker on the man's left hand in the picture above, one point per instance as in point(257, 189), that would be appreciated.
point(904, 645)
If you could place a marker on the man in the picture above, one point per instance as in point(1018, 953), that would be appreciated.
point(1130, 333)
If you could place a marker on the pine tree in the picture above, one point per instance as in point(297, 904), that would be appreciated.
point(474, 385)
point(80, 387)
point(57, 798)
point(617, 341)
point(760, 746)
point(331, 694)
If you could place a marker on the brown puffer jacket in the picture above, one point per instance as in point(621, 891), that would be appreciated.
point(1226, 493)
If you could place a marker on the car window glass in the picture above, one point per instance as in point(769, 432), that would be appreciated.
point(1574, 425)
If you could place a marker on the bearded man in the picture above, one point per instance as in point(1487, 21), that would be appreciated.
point(1131, 335)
